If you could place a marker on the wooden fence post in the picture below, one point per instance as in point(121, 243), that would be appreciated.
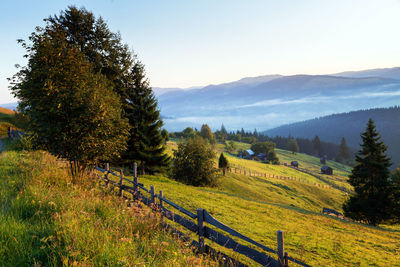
point(107, 173)
point(161, 201)
point(200, 225)
point(152, 193)
point(121, 178)
point(281, 250)
point(135, 182)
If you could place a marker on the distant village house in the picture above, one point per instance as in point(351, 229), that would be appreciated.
point(326, 170)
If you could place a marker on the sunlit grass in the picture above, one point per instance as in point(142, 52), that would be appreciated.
point(48, 218)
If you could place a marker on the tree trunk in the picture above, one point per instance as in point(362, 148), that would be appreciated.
point(223, 171)
point(142, 163)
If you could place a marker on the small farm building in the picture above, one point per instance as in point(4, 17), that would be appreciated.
point(326, 170)
point(294, 164)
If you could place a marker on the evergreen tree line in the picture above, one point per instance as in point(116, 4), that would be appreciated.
point(315, 147)
point(86, 97)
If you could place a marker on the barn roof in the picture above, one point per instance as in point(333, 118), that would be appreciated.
point(251, 153)
point(324, 168)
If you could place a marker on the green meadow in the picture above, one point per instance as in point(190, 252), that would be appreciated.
point(258, 207)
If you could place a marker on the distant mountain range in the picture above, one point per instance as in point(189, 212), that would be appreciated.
point(349, 125)
point(269, 101)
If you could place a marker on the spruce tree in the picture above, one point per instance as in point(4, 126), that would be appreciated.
point(344, 153)
point(317, 146)
point(223, 163)
point(146, 144)
point(371, 202)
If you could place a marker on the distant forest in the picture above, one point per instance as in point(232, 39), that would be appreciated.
point(312, 146)
point(349, 125)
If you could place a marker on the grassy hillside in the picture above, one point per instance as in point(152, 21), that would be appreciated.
point(260, 206)
point(49, 219)
point(7, 118)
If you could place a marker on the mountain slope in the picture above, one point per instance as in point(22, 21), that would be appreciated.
point(349, 125)
point(276, 101)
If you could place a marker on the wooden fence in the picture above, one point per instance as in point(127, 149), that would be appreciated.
point(14, 133)
point(200, 226)
point(245, 171)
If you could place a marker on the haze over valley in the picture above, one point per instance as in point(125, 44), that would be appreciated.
point(269, 101)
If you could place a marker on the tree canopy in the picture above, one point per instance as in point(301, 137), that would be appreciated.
point(86, 69)
point(194, 163)
point(206, 133)
point(370, 178)
point(293, 146)
point(146, 143)
point(71, 109)
point(223, 163)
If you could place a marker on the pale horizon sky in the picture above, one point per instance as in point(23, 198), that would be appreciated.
point(196, 43)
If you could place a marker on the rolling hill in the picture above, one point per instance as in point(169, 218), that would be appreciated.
point(349, 125)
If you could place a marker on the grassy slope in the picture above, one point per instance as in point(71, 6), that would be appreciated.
point(259, 207)
point(6, 120)
point(48, 219)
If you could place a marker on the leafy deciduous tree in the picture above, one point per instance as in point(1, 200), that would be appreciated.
point(293, 146)
point(72, 112)
point(194, 163)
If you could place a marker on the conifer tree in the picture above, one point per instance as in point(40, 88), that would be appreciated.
point(145, 143)
point(371, 202)
point(223, 163)
point(344, 153)
point(317, 145)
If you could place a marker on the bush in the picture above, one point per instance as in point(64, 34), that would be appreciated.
point(194, 163)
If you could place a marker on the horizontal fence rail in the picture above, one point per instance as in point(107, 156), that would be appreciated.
point(200, 228)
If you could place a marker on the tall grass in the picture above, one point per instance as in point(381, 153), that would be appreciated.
point(48, 218)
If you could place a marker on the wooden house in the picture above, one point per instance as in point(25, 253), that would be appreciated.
point(294, 164)
point(326, 170)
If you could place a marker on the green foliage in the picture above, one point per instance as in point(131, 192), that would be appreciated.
point(263, 147)
point(317, 146)
point(194, 163)
point(206, 133)
point(344, 153)
point(146, 144)
point(188, 133)
point(370, 179)
point(395, 214)
point(223, 163)
point(230, 146)
point(71, 109)
point(293, 146)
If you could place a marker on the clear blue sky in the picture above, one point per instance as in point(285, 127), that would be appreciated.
point(192, 43)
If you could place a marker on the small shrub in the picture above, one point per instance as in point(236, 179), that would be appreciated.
point(194, 163)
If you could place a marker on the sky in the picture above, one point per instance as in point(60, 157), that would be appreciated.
point(196, 43)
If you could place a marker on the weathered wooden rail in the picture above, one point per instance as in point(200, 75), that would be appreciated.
point(200, 226)
point(14, 133)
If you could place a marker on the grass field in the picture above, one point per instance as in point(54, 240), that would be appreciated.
point(49, 219)
point(260, 206)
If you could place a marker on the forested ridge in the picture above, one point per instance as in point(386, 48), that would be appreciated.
point(349, 125)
